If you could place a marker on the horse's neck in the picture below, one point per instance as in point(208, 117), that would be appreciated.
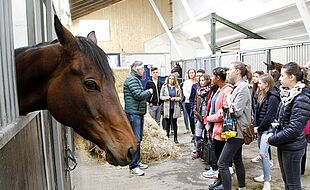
point(34, 69)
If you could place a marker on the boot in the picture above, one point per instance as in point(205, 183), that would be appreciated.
point(176, 140)
point(198, 144)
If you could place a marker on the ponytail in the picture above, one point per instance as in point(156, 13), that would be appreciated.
point(245, 69)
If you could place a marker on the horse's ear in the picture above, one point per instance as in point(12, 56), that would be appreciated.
point(265, 63)
point(64, 36)
point(92, 36)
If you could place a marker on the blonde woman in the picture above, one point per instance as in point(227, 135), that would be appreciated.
point(264, 113)
point(171, 95)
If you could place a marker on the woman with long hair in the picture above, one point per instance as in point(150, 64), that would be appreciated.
point(200, 105)
point(187, 87)
point(171, 95)
point(293, 114)
point(239, 103)
point(216, 118)
point(265, 111)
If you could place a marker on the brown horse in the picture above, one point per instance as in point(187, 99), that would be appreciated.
point(73, 80)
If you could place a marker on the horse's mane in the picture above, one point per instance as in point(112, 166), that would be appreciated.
point(88, 48)
point(98, 55)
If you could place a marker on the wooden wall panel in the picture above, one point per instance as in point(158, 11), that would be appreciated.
point(21, 160)
point(132, 22)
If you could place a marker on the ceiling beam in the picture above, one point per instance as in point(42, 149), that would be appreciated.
point(235, 26)
point(303, 11)
point(81, 8)
point(163, 23)
point(194, 21)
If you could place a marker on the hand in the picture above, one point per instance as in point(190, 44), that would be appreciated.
point(255, 129)
point(220, 113)
point(151, 90)
point(267, 137)
point(168, 97)
point(150, 104)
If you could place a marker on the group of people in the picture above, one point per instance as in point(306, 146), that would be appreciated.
point(278, 113)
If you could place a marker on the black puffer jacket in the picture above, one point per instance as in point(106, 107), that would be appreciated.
point(266, 111)
point(293, 119)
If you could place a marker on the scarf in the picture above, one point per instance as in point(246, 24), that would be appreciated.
point(203, 91)
point(287, 95)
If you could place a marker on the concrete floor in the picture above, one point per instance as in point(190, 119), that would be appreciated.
point(181, 173)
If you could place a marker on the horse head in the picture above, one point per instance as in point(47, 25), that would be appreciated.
point(177, 69)
point(73, 80)
point(273, 65)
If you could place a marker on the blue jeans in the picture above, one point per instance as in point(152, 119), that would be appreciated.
point(264, 153)
point(136, 122)
point(154, 111)
point(185, 116)
point(290, 165)
point(232, 151)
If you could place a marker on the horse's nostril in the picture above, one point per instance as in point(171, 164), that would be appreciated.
point(131, 153)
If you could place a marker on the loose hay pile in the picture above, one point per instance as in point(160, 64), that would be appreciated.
point(120, 74)
point(154, 147)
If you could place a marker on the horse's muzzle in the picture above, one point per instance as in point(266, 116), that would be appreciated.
point(131, 154)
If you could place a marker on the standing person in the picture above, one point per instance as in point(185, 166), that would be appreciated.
point(216, 117)
point(183, 109)
point(241, 106)
point(199, 110)
point(265, 111)
point(187, 87)
point(254, 92)
point(294, 112)
point(135, 107)
point(171, 95)
point(155, 102)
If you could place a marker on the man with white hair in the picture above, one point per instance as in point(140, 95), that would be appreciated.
point(135, 107)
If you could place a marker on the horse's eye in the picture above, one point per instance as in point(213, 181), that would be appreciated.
point(91, 85)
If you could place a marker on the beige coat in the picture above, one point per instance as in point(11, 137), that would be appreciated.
point(177, 108)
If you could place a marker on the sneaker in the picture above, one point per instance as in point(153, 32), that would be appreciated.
point(143, 166)
point(231, 170)
point(256, 159)
point(271, 163)
point(261, 178)
point(266, 185)
point(215, 184)
point(137, 171)
point(211, 174)
point(241, 188)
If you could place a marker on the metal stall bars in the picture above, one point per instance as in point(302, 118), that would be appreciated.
point(32, 147)
point(8, 94)
point(297, 52)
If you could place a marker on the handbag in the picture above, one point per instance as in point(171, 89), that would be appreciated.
point(247, 133)
point(206, 153)
point(229, 124)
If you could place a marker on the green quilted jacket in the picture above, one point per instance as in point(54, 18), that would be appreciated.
point(134, 94)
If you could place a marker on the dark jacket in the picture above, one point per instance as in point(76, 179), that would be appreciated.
point(193, 95)
point(266, 111)
point(293, 119)
point(154, 99)
point(134, 94)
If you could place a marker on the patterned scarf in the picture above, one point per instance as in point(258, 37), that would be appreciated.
point(203, 91)
point(288, 95)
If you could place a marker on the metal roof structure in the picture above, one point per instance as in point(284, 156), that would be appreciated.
point(81, 8)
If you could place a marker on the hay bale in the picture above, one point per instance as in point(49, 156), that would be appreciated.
point(154, 147)
point(120, 74)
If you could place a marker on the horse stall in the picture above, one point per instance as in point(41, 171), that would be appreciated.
point(34, 149)
point(256, 58)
